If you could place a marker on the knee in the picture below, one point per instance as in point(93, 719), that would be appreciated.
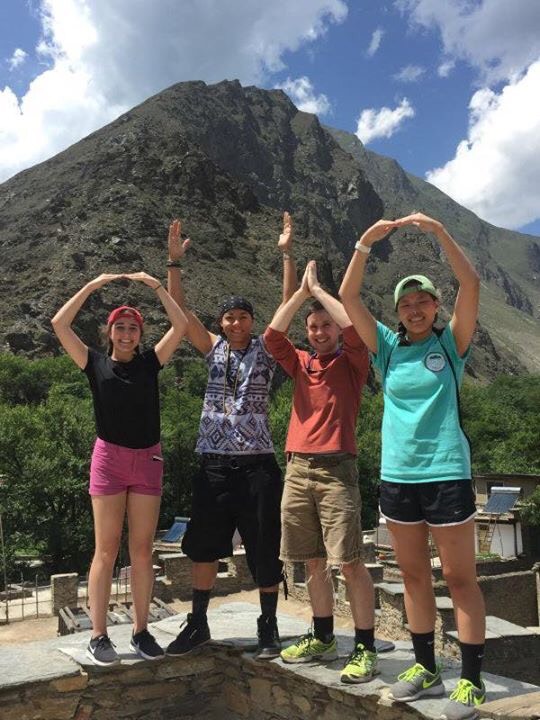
point(416, 575)
point(352, 570)
point(459, 581)
point(140, 552)
point(106, 554)
point(317, 566)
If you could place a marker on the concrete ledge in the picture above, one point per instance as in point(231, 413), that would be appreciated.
point(54, 680)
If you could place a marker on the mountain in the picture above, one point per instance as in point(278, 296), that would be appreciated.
point(228, 160)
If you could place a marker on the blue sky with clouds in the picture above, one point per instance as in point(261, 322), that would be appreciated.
point(450, 89)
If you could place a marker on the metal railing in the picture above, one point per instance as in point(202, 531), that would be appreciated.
point(22, 598)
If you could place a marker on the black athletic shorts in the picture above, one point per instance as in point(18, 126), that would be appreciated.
point(237, 492)
point(446, 502)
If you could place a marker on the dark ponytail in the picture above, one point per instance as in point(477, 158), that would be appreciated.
point(402, 335)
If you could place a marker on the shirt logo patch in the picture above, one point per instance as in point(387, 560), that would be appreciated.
point(435, 362)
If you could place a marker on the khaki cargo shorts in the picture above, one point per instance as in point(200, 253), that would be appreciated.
point(320, 509)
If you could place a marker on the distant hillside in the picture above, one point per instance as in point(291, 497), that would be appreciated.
point(508, 262)
point(229, 160)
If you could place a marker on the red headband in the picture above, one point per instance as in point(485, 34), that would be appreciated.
point(125, 310)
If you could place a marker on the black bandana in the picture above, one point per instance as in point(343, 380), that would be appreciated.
point(235, 302)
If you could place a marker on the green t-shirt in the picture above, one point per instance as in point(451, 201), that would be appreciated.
point(422, 440)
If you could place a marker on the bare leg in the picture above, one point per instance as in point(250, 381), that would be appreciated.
point(109, 511)
point(458, 558)
point(203, 575)
point(412, 553)
point(320, 587)
point(360, 593)
point(143, 513)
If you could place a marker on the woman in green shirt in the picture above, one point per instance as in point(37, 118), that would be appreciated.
point(426, 484)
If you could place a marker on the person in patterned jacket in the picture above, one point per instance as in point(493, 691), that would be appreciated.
point(239, 485)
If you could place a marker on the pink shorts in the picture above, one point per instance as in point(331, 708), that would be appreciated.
point(115, 469)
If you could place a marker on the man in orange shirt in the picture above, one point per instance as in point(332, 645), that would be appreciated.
point(320, 510)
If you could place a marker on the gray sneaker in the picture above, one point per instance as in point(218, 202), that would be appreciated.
point(417, 682)
point(101, 651)
point(464, 701)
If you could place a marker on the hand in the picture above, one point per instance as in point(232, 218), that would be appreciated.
point(105, 278)
point(378, 231)
point(152, 282)
point(177, 244)
point(304, 285)
point(286, 237)
point(424, 222)
point(313, 280)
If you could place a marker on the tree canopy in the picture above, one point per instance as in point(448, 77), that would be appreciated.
point(47, 432)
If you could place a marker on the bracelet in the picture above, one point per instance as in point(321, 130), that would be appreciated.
point(287, 256)
point(173, 263)
point(366, 249)
point(157, 287)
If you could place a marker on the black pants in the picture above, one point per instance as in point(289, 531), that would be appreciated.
point(237, 492)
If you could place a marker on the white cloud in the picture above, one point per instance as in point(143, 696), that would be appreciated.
point(495, 171)
point(498, 37)
point(105, 56)
point(375, 42)
point(384, 122)
point(302, 94)
point(445, 68)
point(18, 57)
point(410, 73)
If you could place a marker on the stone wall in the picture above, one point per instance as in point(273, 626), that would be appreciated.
point(176, 581)
point(221, 685)
point(54, 680)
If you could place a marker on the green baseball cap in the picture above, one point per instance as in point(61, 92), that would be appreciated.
point(414, 283)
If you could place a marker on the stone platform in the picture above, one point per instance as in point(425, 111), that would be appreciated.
point(54, 680)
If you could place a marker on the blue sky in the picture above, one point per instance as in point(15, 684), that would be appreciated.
point(450, 89)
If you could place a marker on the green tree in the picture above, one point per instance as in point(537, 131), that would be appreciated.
point(44, 456)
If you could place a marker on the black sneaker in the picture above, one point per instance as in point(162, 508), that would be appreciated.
point(101, 651)
point(269, 642)
point(196, 632)
point(144, 644)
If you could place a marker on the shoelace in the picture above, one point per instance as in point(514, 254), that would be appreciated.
point(306, 640)
point(360, 657)
point(269, 631)
point(464, 692)
point(412, 672)
point(104, 641)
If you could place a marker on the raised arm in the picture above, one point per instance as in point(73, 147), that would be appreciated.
point(165, 347)
point(465, 315)
point(334, 308)
point(286, 311)
point(63, 319)
point(363, 321)
point(201, 338)
point(285, 245)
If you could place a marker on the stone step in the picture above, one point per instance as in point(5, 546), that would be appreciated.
point(510, 648)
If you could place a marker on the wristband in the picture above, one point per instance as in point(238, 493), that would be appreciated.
point(157, 287)
point(173, 263)
point(287, 256)
point(366, 249)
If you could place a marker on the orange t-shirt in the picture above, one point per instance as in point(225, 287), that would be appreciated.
point(327, 392)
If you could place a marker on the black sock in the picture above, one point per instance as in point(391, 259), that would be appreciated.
point(365, 637)
point(323, 628)
point(424, 650)
point(269, 602)
point(199, 603)
point(471, 662)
